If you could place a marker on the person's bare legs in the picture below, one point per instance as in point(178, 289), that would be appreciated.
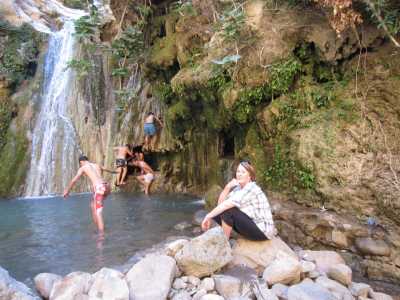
point(119, 174)
point(124, 171)
point(227, 229)
point(141, 180)
point(93, 211)
point(100, 222)
point(146, 142)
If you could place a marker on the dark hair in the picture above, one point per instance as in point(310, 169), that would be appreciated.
point(249, 168)
point(83, 158)
point(150, 113)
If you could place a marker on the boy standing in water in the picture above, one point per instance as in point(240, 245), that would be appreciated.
point(150, 129)
point(101, 188)
point(147, 175)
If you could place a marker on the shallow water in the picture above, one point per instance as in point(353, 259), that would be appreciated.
point(57, 236)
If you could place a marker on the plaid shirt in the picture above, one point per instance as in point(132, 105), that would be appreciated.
point(253, 202)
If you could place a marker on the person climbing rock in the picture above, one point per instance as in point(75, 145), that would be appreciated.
point(121, 163)
point(146, 177)
point(150, 130)
point(101, 188)
point(243, 207)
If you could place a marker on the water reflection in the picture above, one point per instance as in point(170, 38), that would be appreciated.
point(57, 236)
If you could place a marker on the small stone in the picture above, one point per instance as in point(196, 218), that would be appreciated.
point(280, 290)
point(181, 295)
point(193, 280)
point(199, 294)
point(314, 274)
point(359, 289)
point(307, 266)
point(179, 284)
point(207, 284)
point(341, 273)
point(379, 296)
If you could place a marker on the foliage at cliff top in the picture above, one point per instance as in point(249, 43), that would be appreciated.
point(18, 53)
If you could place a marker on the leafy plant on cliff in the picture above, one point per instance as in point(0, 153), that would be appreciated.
point(81, 66)
point(19, 53)
point(183, 8)
point(5, 119)
point(86, 27)
point(231, 23)
point(285, 173)
point(283, 74)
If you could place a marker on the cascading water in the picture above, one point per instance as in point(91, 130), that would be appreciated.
point(54, 143)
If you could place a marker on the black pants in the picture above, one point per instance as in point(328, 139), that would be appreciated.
point(241, 223)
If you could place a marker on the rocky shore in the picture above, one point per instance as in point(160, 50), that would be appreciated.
point(208, 267)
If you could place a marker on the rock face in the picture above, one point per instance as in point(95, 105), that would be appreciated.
point(151, 278)
point(10, 289)
point(309, 291)
point(258, 255)
point(205, 254)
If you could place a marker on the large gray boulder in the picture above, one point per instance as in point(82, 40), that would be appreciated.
point(309, 291)
point(341, 273)
point(370, 246)
point(284, 269)
point(44, 283)
point(151, 278)
point(227, 286)
point(323, 260)
point(340, 291)
point(258, 255)
point(11, 289)
point(108, 284)
point(205, 254)
point(71, 286)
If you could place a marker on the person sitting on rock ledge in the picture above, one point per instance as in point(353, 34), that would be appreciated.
point(244, 207)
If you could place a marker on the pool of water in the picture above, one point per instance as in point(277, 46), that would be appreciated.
point(57, 236)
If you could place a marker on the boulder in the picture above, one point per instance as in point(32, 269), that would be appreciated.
point(71, 286)
point(227, 286)
point(108, 284)
point(207, 284)
point(280, 290)
point(341, 273)
point(307, 266)
point(379, 296)
point(360, 289)
point(322, 259)
point(370, 246)
point(340, 291)
point(258, 255)
point(11, 289)
point(284, 269)
point(205, 254)
point(182, 295)
point(309, 291)
point(172, 248)
point(151, 278)
point(44, 283)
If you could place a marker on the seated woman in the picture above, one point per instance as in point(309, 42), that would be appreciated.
point(244, 207)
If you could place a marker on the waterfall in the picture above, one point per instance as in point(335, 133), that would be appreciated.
point(54, 144)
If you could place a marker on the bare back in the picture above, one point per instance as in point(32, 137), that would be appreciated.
point(93, 171)
point(149, 119)
point(145, 167)
point(122, 152)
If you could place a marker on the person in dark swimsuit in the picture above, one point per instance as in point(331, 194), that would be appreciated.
point(121, 163)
